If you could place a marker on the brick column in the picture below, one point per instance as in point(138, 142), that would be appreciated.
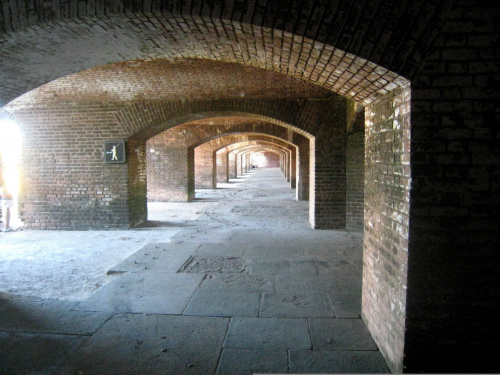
point(303, 156)
point(204, 167)
point(137, 182)
point(387, 196)
point(288, 164)
point(293, 168)
point(355, 180)
point(241, 163)
point(328, 169)
point(232, 166)
point(168, 172)
point(221, 166)
point(247, 162)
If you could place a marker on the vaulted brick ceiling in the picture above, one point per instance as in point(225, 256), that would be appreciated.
point(162, 79)
point(302, 39)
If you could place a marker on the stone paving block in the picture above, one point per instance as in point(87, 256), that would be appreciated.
point(246, 224)
point(273, 251)
point(336, 362)
point(238, 282)
point(362, 362)
point(313, 239)
point(218, 249)
point(302, 266)
point(212, 235)
point(208, 303)
point(296, 305)
point(151, 344)
point(339, 264)
point(346, 305)
point(349, 283)
point(306, 283)
point(315, 362)
point(154, 258)
point(49, 316)
point(245, 237)
point(215, 264)
point(154, 292)
point(340, 334)
point(253, 361)
point(260, 333)
point(35, 353)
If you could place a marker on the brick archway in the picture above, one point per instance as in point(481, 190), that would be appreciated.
point(140, 119)
point(226, 157)
point(282, 158)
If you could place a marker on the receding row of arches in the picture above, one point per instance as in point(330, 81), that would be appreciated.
point(181, 85)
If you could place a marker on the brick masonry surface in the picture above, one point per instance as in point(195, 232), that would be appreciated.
point(445, 321)
point(387, 204)
point(355, 166)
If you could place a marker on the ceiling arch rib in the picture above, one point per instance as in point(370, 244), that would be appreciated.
point(231, 141)
point(238, 147)
point(75, 46)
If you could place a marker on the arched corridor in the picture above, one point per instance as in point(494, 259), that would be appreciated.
point(243, 285)
point(386, 110)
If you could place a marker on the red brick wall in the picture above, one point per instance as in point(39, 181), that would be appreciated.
point(66, 185)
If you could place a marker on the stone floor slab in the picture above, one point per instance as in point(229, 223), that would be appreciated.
point(273, 251)
point(238, 283)
point(291, 304)
point(215, 264)
point(340, 334)
point(350, 282)
point(336, 362)
point(217, 249)
point(35, 353)
point(49, 316)
point(316, 362)
point(306, 283)
point(253, 361)
point(154, 292)
point(151, 344)
point(304, 266)
point(346, 305)
point(260, 333)
point(208, 303)
point(155, 258)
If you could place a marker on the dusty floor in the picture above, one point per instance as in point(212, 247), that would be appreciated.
point(72, 265)
point(235, 282)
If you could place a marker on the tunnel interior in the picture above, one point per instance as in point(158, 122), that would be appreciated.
point(383, 117)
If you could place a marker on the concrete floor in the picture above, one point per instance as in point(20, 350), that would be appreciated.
point(235, 282)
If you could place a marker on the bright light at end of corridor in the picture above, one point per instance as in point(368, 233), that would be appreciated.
point(10, 154)
point(10, 142)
